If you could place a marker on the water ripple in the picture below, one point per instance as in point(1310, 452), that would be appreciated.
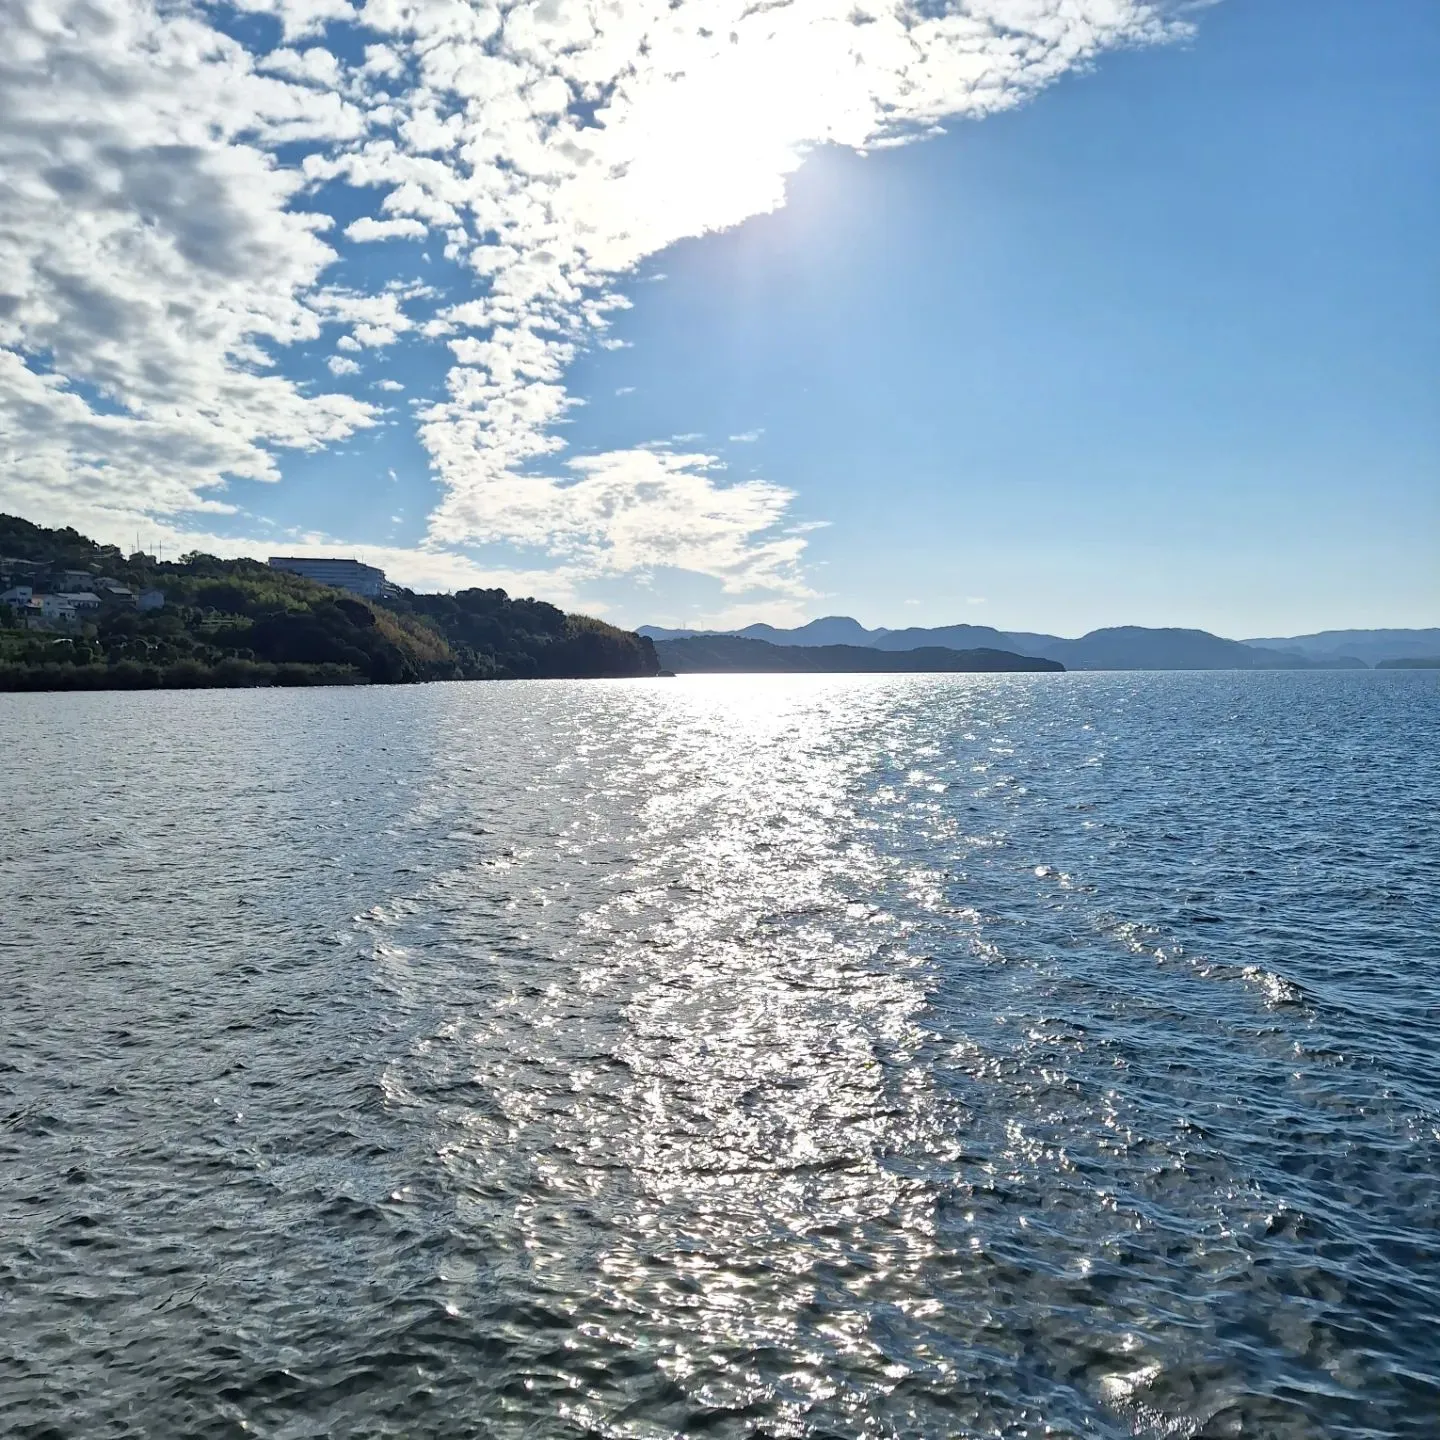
point(791, 1056)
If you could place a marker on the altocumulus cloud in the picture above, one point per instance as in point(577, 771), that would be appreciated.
point(163, 241)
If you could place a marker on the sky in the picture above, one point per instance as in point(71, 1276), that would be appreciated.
point(1044, 314)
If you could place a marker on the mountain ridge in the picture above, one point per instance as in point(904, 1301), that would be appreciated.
point(1117, 647)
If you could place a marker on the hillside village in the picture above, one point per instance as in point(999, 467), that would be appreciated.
point(47, 596)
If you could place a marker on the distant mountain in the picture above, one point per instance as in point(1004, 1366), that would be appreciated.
point(1371, 646)
point(952, 637)
point(1125, 647)
point(1134, 647)
point(736, 654)
point(1411, 662)
point(828, 630)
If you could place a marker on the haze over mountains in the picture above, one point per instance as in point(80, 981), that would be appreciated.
point(1124, 647)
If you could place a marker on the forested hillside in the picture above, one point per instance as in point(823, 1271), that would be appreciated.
point(239, 622)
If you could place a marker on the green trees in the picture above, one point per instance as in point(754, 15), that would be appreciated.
point(238, 622)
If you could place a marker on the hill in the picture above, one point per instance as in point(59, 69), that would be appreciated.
point(828, 630)
point(735, 654)
point(1372, 646)
point(952, 637)
point(1124, 647)
point(1134, 647)
point(238, 622)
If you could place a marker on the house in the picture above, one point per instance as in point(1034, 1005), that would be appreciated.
point(17, 597)
point(14, 571)
point(112, 592)
point(56, 607)
point(150, 600)
point(80, 601)
point(72, 580)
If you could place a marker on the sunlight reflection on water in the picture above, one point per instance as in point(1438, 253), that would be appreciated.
point(776, 1056)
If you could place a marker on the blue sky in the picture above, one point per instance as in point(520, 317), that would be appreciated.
point(1144, 334)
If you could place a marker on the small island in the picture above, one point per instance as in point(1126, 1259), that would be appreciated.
point(733, 654)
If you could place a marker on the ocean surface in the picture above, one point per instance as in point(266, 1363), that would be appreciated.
point(1003, 1056)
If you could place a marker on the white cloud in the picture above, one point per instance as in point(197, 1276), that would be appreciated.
point(378, 320)
point(369, 228)
point(747, 437)
point(313, 66)
point(339, 365)
point(152, 255)
point(299, 18)
point(702, 112)
point(159, 251)
point(391, 385)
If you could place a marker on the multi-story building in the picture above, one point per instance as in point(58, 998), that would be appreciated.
point(348, 575)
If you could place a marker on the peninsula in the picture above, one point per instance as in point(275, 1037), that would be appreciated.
point(733, 654)
point(77, 615)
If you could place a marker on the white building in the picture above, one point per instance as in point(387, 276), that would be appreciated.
point(17, 596)
point(55, 607)
point(80, 601)
point(150, 600)
point(348, 575)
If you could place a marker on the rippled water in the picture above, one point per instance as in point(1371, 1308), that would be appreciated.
point(796, 1056)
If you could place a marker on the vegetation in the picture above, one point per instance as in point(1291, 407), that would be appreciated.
point(240, 623)
point(1413, 662)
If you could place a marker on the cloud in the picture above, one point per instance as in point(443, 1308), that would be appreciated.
point(165, 241)
point(390, 385)
point(747, 437)
point(372, 229)
point(339, 365)
point(153, 254)
point(629, 511)
point(313, 66)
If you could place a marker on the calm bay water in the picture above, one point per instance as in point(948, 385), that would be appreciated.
point(1005, 1056)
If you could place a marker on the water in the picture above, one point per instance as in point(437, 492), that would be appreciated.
point(797, 1056)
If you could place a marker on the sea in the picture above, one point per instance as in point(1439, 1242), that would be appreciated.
point(786, 1056)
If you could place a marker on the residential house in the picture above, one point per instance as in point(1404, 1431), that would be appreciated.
point(17, 596)
point(112, 592)
point(150, 600)
point(81, 601)
point(56, 608)
point(72, 580)
point(14, 571)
